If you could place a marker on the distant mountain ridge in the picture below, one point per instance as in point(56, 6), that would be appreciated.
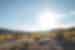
point(63, 29)
point(5, 31)
point(8, 31)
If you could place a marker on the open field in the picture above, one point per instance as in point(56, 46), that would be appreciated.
point(21, 38)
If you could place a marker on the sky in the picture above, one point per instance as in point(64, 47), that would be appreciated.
point(33, 15)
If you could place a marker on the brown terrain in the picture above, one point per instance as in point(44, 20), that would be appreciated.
point(33, 38)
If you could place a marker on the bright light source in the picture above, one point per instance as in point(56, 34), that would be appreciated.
point(47, 20)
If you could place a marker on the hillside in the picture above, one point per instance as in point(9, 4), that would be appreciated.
point(68, 33)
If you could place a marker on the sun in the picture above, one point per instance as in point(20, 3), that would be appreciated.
point(47, 20)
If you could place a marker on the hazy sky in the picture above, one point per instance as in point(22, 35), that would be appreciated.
point(36, 14)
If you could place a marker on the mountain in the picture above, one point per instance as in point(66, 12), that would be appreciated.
point(6, 31)
point(9, 31)
point(63, 29)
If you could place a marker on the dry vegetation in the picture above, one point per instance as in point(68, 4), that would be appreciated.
point(69, 34)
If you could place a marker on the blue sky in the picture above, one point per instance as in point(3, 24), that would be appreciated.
point(25, 14)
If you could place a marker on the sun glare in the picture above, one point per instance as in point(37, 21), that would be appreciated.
point(47, 20)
